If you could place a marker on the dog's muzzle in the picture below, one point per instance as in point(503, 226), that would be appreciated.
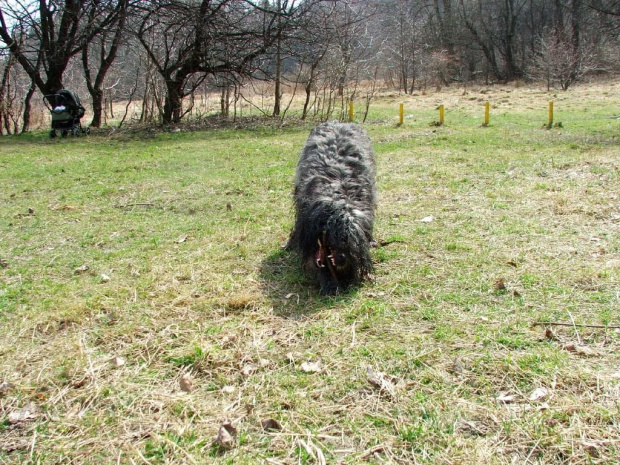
point(325, 257)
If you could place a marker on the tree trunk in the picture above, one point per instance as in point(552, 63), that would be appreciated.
point(278, 77)
point(309, 86)
point(97, 98)
point(278, 83)
point(173, 103)
point(4, 101)
point(28, 107)
point(513, 70)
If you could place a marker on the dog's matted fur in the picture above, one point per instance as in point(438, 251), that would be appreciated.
point(335, 200)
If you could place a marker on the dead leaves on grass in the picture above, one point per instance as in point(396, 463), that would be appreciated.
point(500, 285)
point(271, 424)
point(386, 384)
point(312, 367)
point(182, 238)
point(578, 348)
point(5, 388)
point(29, 412)
point(226, 437)
point(537, 396)
point(581, 350)
point(81, 269)
point(186, 383)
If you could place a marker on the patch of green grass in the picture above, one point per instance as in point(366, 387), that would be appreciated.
point(129, 261)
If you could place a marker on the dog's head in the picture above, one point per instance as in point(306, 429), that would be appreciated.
point(341, 252)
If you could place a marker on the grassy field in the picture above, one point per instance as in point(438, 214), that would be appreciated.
point(148, 314)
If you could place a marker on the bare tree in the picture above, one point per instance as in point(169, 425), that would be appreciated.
point(53, 32)
point(105, 47)
point(403, 39)
point(557, 60)
point(190, 40)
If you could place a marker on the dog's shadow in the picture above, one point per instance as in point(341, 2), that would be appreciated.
point(291, 292)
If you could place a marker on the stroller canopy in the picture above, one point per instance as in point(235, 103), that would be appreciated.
point(66, 98)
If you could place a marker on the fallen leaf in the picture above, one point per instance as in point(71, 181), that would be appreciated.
point(182, 238)
point(29, 412)
point(229, 207)
point(186, 383)
point(80, 382)
point(381, 381)
point(582, 350)
point(506, 398)
point(105, 278)
point(458, 367)
point(228, 389)
point(118, 362)
point(312, 367)
point(81, 269)
point(5, 387)
point(14, 444)
point(538, 393)
point(226, 436)
point(427, 219)
point(249, 369)
point(471, 428)
point(3, 263)
point(271, 425)
point(376, 294)
point(500, 284)
point(550, 335)
point(228, 341)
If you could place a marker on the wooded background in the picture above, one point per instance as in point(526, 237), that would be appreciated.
point(169, 54)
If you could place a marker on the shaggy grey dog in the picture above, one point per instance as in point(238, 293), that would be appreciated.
point(335, 200)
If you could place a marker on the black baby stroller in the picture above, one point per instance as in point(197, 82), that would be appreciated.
point(67, 111)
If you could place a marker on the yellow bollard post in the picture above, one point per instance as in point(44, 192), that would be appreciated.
point(351, 111)
point(401, 114)
point(441, 115)
point(487, 114)
point(550, 125)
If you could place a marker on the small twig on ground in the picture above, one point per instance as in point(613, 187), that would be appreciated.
point(136, 205)
point(527, 459)
point(395, 241)
point(572, 320)
point(560, 323)
point(372, 451)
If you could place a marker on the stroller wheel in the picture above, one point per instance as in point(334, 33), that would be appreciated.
point(87, 131)
point(76, 132)
point(52, 134)
point(64, 133)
